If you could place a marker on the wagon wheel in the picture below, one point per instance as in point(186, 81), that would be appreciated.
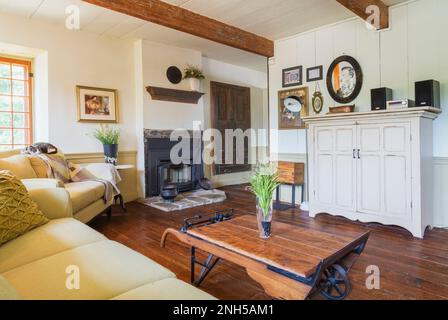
point(335, 284)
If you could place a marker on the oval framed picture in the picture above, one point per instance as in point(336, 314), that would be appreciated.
point(344, 79)
point(318, 102)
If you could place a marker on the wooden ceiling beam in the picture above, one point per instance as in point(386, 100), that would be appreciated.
point(175, 17)
point(360, 8)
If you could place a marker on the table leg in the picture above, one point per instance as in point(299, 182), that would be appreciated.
point(120, 198)
point(193, 264)
point(293, 203)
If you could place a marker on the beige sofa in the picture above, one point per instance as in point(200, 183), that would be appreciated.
point(39, 265)
point(86, 198)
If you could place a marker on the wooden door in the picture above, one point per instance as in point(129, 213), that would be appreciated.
point(230, 109)
point(384, 170)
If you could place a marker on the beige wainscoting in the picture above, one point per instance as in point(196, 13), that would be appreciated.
point(128, 186)
point(441, 192)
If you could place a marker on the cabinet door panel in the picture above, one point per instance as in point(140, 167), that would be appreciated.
point(384, 180)
point(325, 179)
point(395, 138)
point(369, 184)
point(324, 140)
point(369, 139)
point(397, 170)
point(395, 188)
point(335, 167)
point(344, 140)
point(344, 182)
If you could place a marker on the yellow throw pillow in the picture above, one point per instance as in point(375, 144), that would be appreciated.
point(39, 167)
point(18, 213)
point(19, 165)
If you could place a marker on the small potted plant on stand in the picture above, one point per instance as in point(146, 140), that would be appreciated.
point(194, 75)
point(109, 137)
point(264, 182)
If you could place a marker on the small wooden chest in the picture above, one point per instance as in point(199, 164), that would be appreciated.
point(291, 173)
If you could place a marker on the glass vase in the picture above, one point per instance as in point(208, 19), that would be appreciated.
point(265, 220)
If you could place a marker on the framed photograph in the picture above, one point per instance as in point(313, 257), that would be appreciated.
point(315, 74)
point(97, 105)
point(292, 77)
point(293, 106)
point(344, 79)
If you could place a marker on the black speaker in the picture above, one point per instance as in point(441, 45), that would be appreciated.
point(380, 97)
point(427, 94)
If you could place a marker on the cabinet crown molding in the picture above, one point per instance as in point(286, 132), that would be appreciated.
point(425, 112)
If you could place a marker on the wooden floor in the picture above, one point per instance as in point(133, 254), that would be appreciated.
point(410, 268)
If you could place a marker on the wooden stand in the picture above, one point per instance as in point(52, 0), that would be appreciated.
point(292, 174)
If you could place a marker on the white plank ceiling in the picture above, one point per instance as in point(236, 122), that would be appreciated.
point(273, 19)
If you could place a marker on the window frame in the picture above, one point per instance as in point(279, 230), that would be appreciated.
point(28, 79)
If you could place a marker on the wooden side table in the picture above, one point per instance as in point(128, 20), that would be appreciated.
point(293, 174)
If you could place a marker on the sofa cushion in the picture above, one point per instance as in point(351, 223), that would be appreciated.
point(19, 165)
point(106, 270)
point(39, 166)
point(84, 193)
point(54, 237)
point(167, 289)
point(6, 291)
point(19, 214)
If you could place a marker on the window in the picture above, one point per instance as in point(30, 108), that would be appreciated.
point(15, 104)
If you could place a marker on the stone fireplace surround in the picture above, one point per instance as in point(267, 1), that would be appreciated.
point(157, 154)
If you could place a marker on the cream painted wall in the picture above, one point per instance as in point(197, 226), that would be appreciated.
point(74, 58)
point(411, 50)
point(157, 58)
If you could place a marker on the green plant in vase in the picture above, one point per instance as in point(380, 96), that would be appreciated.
point(264, 182)
point(109, 137)
point(194, 75)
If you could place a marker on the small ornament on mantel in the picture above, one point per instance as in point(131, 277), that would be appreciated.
point(318, 100)
point(194, 75)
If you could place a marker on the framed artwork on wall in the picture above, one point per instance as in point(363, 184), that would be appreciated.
point(97, 105)
point(293, 106)
point(314, 74)
point(344, 79)
point(292, 77)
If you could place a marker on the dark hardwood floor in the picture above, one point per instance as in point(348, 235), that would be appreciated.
point(410, 268)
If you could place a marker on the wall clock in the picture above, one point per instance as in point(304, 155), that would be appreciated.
point(174, 75)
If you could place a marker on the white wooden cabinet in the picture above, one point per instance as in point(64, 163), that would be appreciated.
point(373, 166)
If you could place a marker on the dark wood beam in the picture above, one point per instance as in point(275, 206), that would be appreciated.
point(359, 7)
point(174, 17)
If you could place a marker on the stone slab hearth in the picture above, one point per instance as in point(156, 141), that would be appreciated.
point(187, 200)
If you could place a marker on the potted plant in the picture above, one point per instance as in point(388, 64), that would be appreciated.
point(194, 75)
point(109, 137)
point(264, 181)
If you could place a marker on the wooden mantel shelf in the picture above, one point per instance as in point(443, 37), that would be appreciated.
point(173, 95)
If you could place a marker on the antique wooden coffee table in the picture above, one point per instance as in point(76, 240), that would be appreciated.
point(293, 264)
